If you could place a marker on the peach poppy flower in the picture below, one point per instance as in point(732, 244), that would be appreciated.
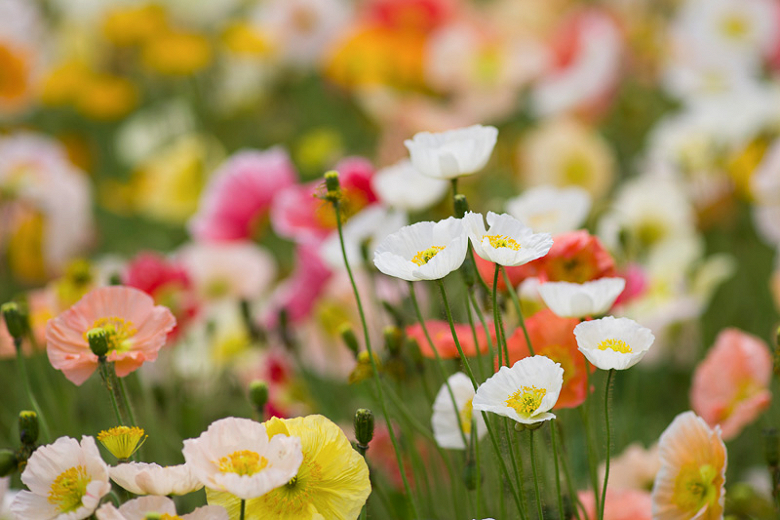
point(441, 335)
point(690, 483)
point(137, 331)
point(731, 386)
point(621, 504)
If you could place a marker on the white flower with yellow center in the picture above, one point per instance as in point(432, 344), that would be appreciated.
point(423, 251)
point(525, 393)
point(66, 480)
point(236, 455)
point(454, 153)
point(447, 422)
point(141, 478)
point(578, 300)
point(549, 209)
point(141, 508)
point(508, 241)
point(613, 343)
point(403, 187)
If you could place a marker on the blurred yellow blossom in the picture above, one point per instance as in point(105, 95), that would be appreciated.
point(64, 83)
point(105, 96)
point(15, 65)
point(245, 39)
point(743, 163)
point(319, 147)
point(133, 25)
point(177, 53)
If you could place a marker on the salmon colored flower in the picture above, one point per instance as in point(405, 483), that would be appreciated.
point(731, 386)
point(553, 336)
point(635, 468)
point(137, 330)
point(690, 483)
point(621, 504)
point(442, 338)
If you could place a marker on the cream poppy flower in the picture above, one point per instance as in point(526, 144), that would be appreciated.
point(578, 300)
point(237, 456)
point(613, 343)
point(525, 393)
point(451, 154)
point(66, 479)
point(139, 508)
point(550, 209)
point(423, 251)
point(508, 242)
point(403, 187)
point(447, 424)
point(141, 478)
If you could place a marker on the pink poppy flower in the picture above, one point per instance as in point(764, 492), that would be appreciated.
point(621, 504)
point(636, 284)
point(137, 331)
point(731, 386)
point(240, 192)
point(442, 338)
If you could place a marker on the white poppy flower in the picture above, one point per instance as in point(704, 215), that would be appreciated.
point(525, 393)
point(139, 508)
point(613, 343)
point(66, 479)
point(367, 227)
point(236, 455)
point(423, 251)
point(578, 300)
point(508, 241)
point(446, 422)
point(451, 154)
point(403, 187)
point(141, 478)
point(549, 209)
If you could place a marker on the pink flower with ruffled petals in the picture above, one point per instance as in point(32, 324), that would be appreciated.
point(137, 329)
point(240, 193)
point(731, 386)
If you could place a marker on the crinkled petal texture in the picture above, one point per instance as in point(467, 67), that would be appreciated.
point(401, 254)
point(508, 241)
point(49, 476)
point(141, 478)
point(578, 300)
point(143, 333)
point(447, 422)
point(332, 482)
point(138, 508)
point(690, 483)
point(450, 154)
point(236, 455)
point(731, 386)
point(595, 337)
point(525, 393)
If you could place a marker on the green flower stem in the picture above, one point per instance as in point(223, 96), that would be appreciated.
point(536, 479)
point(497, 323)
point(105, 369)
point(592, 459)
point(374, 369)
point(480, 368)
point(607, 393)
point(481, 318)
point(559, 496)
point(243, 509)
point(125, 403)
point(475, 441)
point(517, 465)
point(570, 484)
point(28, 388)
point(518, 309)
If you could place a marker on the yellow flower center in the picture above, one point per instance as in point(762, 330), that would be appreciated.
point(122, 441)
point(735, 26)
point(119, 332)
point(695, 487)
point(166, 516)
point(294, 499)
point(618, 345)
point(424, 256)
point(243, 462)
point(526, 400)
point(69, 488)
point(498, 241)
point(465, 416)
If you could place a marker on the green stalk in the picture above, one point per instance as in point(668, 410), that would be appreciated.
point(497, 323)
point(120, 385)
point(243, 508)
point(104, 368)
point(592, 460)
point(536, 479)
point(607, 392)
point(28, 388)
point(517, 465)
point(480, 367)
point(448, 312)
point(481, 318)
point(557, 469)
point(519, 310)
point(570, 485)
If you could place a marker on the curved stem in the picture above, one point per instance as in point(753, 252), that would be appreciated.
point(536, 480)
point(125, 401)
point(497, 319)
point(519, 310)
point(481, 318)
point(448, 312)
point(517, 465)
point(606, 418)
point(559, 496)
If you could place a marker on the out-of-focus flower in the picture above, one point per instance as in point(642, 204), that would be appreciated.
point(362, 233)
point(21, 54)
point(128, 25)
point(525, 393)
point(140, 508)
point(141, 478)
point(454, 153)
point(576, 257)
point(332, 481)
point(731, 386)
point(240, 457)
point(447, 422)
point(580, 300)
point(691, 480)
point(403, 187)
point(442, 338)
point(620, 504)
point(5, 499)
point(239, 194)
point(66, 479)
point(553, 337)
point(564, 152)
point(106, 97)
point(177, 53)
point(136, 332)
point(548, 209)
point(507, 242)
point(635, 468)
point(613, 343)
point(423, 251)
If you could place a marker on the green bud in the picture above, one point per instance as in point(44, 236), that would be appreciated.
point(471, 475)
point(332, 181)
point(364, 427)
point(98, 341)
point(393, 339)
point(28, 427)
point(461, 205)
point(348, 337)
point(258, 394)
point(15, 319)
point(153, 516)
point(519, 427)
point(534, 426)
point(8, 462)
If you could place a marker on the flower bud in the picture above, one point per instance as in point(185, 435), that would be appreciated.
point(471, 475)
point(461, 205)
point(332, 186)
point(15, 319)
point(363, 369)
point(364, 427)
point(98, 341)
point(393, 339)
point(8, 462)
point(350, 340)
point(258, 394)
point(28, 427)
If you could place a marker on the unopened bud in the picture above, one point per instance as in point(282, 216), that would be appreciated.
point(364, 427)
point(98, 341)
point(258, 394)
point(15, 319)
point(461, 205)
point(393, 339)
point(332, 186)
point(8, 462)
point(471, 475)
point(28, 427)
point(348, 337)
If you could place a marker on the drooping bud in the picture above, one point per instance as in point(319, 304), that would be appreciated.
point(8, 462)
point(28, 427)
point(15, 319)
point(98, 341)
point(258, 395)
point(348, 337)
point(364, 427)
point(461, 205)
